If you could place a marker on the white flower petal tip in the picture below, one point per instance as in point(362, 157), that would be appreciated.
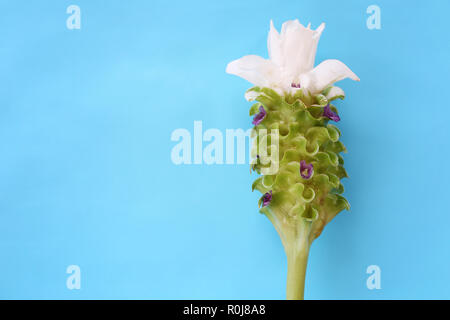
point(232, 67)
point(325, 74)
point(272, 27)
point(339, 69)
point(274, 46)
point(319, 30)
point(333, 93)
point(251, 95)
point(254, 69)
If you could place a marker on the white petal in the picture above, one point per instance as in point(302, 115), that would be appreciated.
point(334, 93)
point(325, 74)
point(257, 70)
point(299, 45)
point(288, 25)
point(251, 95)
point(274, 45)
point(316, 38)
point(318, 32)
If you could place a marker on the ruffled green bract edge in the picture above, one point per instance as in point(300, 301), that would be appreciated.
point(304, 134)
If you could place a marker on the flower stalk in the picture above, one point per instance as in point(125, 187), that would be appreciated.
point(296, 242)
point(297, 262)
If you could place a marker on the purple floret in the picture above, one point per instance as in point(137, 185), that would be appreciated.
point(306, 170)
point(267, 197)
point(327, 112)
point(260, 116)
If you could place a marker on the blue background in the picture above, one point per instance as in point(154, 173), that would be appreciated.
point(86, 176)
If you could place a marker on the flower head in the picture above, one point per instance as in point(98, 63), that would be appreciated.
point(291, 62)
point(260, 116)
point(328, 113)
point(267, 197)
point(306, 170)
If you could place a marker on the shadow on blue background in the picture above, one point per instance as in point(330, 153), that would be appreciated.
point(86, 176)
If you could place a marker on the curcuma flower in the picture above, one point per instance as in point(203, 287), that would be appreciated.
point(305, 193)
point(291, 62)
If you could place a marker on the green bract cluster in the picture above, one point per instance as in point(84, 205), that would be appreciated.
point(304, 134)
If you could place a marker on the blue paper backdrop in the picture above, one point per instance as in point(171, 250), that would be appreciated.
point(86, 176)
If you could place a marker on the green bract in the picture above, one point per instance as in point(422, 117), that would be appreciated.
point(300, 208)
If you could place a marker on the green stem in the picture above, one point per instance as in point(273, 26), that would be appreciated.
point(297, 261)
point(296, 238)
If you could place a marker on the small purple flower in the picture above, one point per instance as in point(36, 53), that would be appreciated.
point(295, 85)
point(306, 170)
point(327, 112)
point(267, 197)
point(260, 116)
